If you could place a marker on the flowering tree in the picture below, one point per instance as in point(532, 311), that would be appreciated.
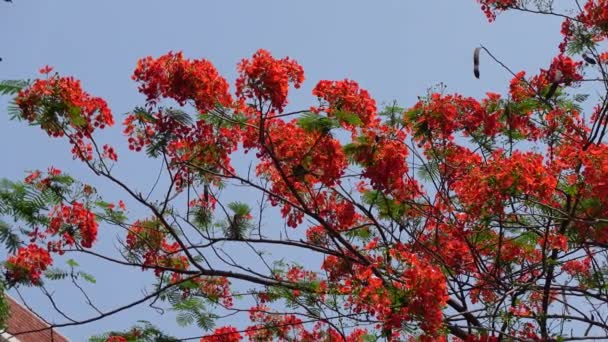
point(455, 219)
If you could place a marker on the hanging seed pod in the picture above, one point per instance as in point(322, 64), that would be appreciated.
point(476, 62)
point(589, 59)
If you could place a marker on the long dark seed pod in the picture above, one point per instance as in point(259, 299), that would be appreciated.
point(206, 193)
point(588, 59)
point(476, 62)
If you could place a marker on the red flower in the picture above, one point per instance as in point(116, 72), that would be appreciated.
point(346, 96)
point(492, 7)
point(116, 339)
point(28, 264)
point(595, 15)
point(61, 107)
point(223, 334)
point(74, 221)
point(267, 79)
point(108, 152)
point(32, 177)
point(172, 76)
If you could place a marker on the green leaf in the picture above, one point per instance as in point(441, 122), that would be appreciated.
point(362, 233)
point(55, 273)
point(4, 308)
point(88, 277)
point(239, 208)
point(348, 117)
point(190, 304)
point(185, 318)
point(179, 116)
point(75, 117)
point(8, 237)
point(11, 87)
point(205, 321)
point(72, 263)
point(312, 122)
point(369, 338)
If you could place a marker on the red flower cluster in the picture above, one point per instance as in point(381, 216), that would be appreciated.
point(223, 334)
point(204, 147)
point(199, 146)
point(303, 159)
point(285, 327)
point(578, 267)
point(116, 339)
point(440, 116)
point(172, 76)
point(32, 177)
point(418, 293)
point(109, 152)
point(150, 241)
point(595, 15)
point(28, 264)
point(346, 96)
point(503, 176)
point(61, 107)
point(140, 129)
point(267, 79)
point(72, 221)
point(492, 7)
point(568, 70)
point(480, 338)
point(213, 288)
point(383, 155)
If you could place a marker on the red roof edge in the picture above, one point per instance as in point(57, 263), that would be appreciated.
point(22, 319)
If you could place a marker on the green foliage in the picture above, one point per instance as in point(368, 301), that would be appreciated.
point(4, 308)
point(360, 144)
point(393, 114)
point(12, 87)
point(160, 140)
point(420, 129)
point(238, 224)
point(348, 118)
point(56, 273)
point(363, 233)
point(110, 213)
point(220, 118)
point(143, 332)
point(179, 116)
point(192, 310)
point(29, 205)
point(201, 217)
point(312, 122)
point(25, 202)
point(387, 207)
point(8, 237)
point(580, 42)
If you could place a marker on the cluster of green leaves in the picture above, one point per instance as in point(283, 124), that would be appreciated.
point(237, 226)
point(27, 204)
point(109, 212)
point(56, 273)
point(143, 332)
point(12, 87)
point(191, 309)
point(159, 141)
point(312, 122)
point(4, 307)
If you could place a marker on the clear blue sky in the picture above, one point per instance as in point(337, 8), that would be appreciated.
point(395, 48)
